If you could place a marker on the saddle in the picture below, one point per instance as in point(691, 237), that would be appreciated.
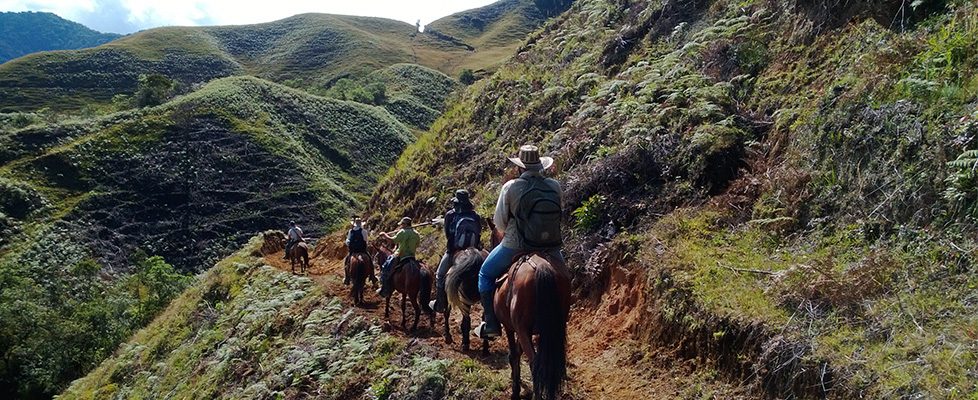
point(402, 262)
point(527, 258)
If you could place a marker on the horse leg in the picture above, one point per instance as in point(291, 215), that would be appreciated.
point(525, 339)
point(387, 310)
point(403, 311)
point(514, 364)
point(448, 333)
point(417, 313)
point(466, 327)
point(485, 347)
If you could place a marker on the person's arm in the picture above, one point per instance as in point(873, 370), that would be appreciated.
point(347, 241)
point(364, 232)
point(501, 217)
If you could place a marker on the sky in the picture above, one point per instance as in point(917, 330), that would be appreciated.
point(127, 16)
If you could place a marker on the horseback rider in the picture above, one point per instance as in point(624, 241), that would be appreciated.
point(294, 236)
point(463, 229)
point(407, 241)
point(356, 242)
point(528, 212)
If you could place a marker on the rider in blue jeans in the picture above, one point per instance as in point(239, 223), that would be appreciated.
point(531, 166)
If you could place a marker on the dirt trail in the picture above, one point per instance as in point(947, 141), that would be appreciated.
point(604, 362)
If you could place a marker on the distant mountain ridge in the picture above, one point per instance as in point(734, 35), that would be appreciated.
point(309, 51)
point(23, 33)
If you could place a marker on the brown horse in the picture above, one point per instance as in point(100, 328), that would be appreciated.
point(535, 299)
point(462, 288)
point(360, 269)
point(299, 255)
point(414, 282)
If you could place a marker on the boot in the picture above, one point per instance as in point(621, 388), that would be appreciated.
point(441, 299)
point(489, 328)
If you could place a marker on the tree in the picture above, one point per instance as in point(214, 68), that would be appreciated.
point(154, 89)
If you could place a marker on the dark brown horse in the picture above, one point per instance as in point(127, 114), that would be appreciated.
point(299, 254)
point(535, 300)
point(360, 269)
point(414, 282)
point(462, 288)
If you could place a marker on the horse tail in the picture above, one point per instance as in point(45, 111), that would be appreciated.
point(424, 295)
point(467, 264)
point(358, 272)
point(550, 365)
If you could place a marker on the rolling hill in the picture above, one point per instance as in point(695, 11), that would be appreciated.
point(23, 33)
point(85, 205)
point(309, 51)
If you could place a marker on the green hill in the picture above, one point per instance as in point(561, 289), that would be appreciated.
point(791, 184)
point(494, 31)
point(22, 33)
point(247, 330)
point(309, 51)
point(84, 204)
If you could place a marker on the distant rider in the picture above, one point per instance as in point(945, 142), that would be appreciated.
point(528, 212)
point(356, 242)
point(463, 229)
point(294, 236)
point(407, 241)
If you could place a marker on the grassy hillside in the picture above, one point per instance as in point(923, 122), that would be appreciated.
point(794, 180)
point(309, 51)
point(86, 202)
point(247, 330)
point(23, 33)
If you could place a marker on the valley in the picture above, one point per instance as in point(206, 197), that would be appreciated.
point(762, 199)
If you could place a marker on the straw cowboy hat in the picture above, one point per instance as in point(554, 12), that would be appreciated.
point(406, 222)
point(530, 159)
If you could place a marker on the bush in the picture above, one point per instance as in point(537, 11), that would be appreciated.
point(588, 216)
point(154, 89)
point(467, 77)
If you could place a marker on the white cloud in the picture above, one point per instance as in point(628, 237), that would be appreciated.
point(125, 16)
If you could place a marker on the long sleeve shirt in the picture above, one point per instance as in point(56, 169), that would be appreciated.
point(509, 197)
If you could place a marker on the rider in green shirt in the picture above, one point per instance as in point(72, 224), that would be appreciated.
point(407, 241)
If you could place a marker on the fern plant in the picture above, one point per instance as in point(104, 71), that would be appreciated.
point(962, 185)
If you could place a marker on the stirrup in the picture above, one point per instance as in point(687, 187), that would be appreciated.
point(480, 332)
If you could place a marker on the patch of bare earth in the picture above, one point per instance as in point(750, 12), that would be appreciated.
point(605, 361)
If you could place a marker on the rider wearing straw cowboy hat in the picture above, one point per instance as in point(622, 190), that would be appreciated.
point(528, 212)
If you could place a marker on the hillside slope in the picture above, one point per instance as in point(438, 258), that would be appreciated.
point(248, 330)
point(309, 51)
point(188, 181)
point(22, 33)
point(778, 176)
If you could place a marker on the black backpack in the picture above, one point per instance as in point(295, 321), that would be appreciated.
point(467, 230)
point(538, 215)
point(357, 243)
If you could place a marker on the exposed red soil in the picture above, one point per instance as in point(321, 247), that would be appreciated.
point(605, 362)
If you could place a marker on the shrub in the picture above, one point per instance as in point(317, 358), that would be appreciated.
point(154, 89)
point(467, 77)
point(588, 216)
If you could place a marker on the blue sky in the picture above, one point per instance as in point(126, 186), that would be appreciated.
point(127, 16)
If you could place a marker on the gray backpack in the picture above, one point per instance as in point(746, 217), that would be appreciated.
point(538, 215)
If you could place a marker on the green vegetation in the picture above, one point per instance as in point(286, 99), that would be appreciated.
point(22, 33)
point(83, 201)
point(798, 181)
point(250, 331)
point(308, 51)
